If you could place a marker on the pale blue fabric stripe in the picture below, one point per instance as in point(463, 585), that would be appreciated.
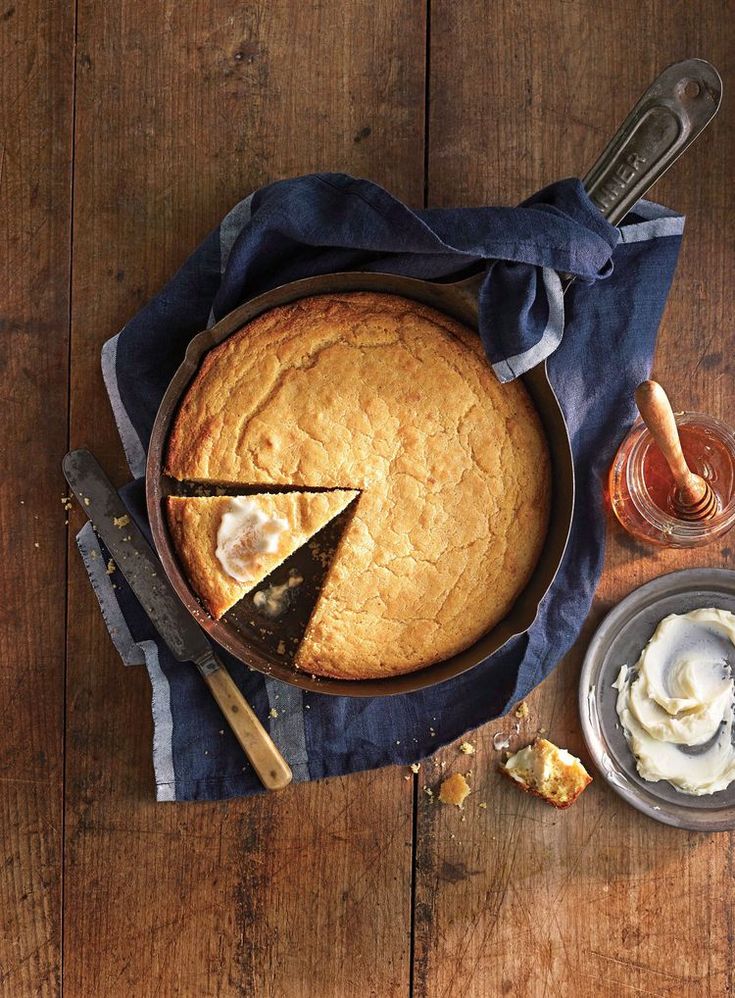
point(518, 364)
point(134, 450)
point(231, 227)
point(134, 653)
point(163, 756)
point(287, 702)
point(653, 228)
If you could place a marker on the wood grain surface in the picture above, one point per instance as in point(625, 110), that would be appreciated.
point(36, 80)
point(126, 131)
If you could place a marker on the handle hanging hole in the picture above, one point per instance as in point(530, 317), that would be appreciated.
point(691, 89)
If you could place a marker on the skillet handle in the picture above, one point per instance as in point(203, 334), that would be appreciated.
point(675, 109)
point(272, 769)
point(670, 115)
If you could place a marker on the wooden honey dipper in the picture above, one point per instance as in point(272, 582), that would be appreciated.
point(694, 499)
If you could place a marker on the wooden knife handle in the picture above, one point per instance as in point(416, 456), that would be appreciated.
point(272, 769)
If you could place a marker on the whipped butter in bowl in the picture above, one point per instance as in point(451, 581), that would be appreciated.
point(676, 704)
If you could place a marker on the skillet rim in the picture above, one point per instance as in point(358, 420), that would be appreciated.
point(459, 300)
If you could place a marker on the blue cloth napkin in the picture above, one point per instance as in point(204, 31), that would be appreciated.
point(598, 342)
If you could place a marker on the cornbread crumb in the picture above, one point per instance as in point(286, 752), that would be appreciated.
point(121, 521)
point(273, 712)
point(281, 648)
point(548, 772)
point(36, 544)
point(521, 710)
point(428, 791)
point(415, 767)
point(454, 790)
point(111, 566)
point(467, 748)
point(86, 501)
point(483, 805)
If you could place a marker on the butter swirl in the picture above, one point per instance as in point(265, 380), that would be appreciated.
point(246, 532)
point(676, 705)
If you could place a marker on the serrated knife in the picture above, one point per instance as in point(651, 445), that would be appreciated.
point(144, 573)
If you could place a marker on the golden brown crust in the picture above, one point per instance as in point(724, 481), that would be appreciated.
point(194, 522)
point(379, 393)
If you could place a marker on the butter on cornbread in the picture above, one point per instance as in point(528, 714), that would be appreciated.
point(194, 523)
point(548, 772)
point(380, 394)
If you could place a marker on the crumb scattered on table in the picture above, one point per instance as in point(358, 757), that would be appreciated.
point(111, 566)
point(121, 521)
point(273, 712)
point(454, 790)
point(521, 710)
point(467, 748)
point(415, 767)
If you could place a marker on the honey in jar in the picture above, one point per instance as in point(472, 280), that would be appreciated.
point(642, 489)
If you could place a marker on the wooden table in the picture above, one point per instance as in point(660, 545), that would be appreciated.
point(127, 131)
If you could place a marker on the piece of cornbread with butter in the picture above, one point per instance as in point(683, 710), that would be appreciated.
point(548, 772)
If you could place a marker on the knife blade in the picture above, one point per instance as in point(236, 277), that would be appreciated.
point(140, 566)
point(134, 557)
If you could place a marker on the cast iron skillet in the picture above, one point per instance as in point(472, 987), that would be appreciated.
point(667, 118)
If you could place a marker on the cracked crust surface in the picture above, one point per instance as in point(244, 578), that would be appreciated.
point(194, 522)
point(379, 393)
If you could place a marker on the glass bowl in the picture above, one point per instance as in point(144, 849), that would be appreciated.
point(639, 472)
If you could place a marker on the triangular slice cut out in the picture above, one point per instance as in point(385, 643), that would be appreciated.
point(223, 563)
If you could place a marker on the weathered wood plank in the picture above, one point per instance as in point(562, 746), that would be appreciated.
point(36, 78)
point(182, 109)
point(597, 900)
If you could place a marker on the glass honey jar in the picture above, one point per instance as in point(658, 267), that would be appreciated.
point(642, 489)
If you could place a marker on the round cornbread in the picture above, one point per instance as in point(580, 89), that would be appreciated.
point(382, 394)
